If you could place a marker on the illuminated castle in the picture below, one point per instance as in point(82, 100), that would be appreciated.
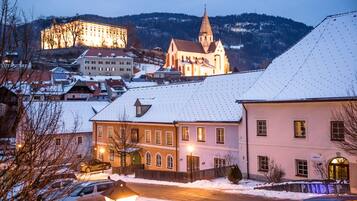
point(83, 33)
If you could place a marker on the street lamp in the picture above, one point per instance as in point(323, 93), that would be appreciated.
point(190, 149)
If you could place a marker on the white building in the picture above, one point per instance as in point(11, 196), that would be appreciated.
point(107, 62)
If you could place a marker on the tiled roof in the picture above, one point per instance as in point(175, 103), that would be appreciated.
point(210, 100)
point(188, 46)
point(323, 65)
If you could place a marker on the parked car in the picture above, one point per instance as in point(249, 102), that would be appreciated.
point(94, 165)
point(57, 189)
point(89, 189)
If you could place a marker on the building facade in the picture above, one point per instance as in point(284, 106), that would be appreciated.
point(108, 62)
point(83, 33)
point(206, 57)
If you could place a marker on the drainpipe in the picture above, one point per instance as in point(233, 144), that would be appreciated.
point(176, 147)
point(246, 137)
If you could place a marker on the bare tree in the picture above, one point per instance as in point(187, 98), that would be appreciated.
point(76, 30)
point(275, 173)
point(321, 168)
point(124, 141)
point(348, 115)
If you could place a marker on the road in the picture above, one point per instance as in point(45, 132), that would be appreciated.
point(176, 193)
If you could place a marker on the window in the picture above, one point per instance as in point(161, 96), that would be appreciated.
point(93, 62)
point(170, 162)
point(157, 137)
point(148, 136)
point(169, 136)
point(138, 110)
point(110, 132)
point(103, 187)
point(158, 160)
point(201, 134)
point(337, 131)
point(148, 158)
point(111, 155)
point(261, 128)
point(58, 141)
point(219, 162)
point(134, 135)
point(220, 135)
point(263, 163)
point(79, 140)
point(185, 134)
point(301, 168)
point(122, 133)
point(100, 131)
point(87, 190)
point(299, 129)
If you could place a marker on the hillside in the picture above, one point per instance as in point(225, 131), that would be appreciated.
point(251, 40)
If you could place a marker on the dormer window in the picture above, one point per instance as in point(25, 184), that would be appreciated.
point(143, 105)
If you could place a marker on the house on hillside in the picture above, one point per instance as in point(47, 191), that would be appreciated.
point(290, 109)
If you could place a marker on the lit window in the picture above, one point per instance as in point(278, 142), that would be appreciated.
point(300, 129)
point(301, 168)
point(201, 134)
point(261, 128)
point(185, 134)
point(337, 131)
point(220, 135)
point(263, 163)
point(134, 135)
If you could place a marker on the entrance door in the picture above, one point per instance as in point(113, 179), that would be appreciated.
point(135, 158)
point(339, 169)
point(193, 162)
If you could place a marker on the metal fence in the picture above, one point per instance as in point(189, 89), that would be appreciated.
point(128, 169)
point(182, 177)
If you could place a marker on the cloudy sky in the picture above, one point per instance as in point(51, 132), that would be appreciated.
point(310, 12)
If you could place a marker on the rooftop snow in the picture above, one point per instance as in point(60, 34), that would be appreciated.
point(210, 100)
point(323, 65)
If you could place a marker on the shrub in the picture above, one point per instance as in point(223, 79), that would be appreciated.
point(234, 174)
point(275, 173)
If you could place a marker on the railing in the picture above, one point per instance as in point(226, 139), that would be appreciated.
point(318, 187)
point(130, 169)
point(182, 177)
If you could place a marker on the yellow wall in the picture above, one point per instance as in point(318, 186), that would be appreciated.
point(162, 149)
point(90, 34)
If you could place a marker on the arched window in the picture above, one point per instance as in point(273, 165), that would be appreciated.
point(148, 158)
point(158, 160)
point(339, 169)
point(170, 162)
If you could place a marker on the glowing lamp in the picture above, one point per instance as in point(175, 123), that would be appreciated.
point(101, 150)
point(190, 148)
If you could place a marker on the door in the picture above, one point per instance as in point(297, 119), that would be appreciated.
point(193, 162)
point(339, 169)
point(135, 158)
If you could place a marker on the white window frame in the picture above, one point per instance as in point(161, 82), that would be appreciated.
point(110, 134)
point(147, 140)
point(146, 158)
point(158, 131)
point(156, 161)
point(167, 162)
point(224, 133)
point(100, 131)
point(167, 133)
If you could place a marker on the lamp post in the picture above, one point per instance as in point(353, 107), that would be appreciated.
point(190, 149)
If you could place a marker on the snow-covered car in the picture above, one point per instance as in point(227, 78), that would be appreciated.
point(57, 189)
point(89, 189)
point(94, 165)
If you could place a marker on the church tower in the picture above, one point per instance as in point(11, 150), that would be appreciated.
point(205, 36)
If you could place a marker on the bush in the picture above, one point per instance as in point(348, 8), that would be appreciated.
point(275, 173)
point(234, 174)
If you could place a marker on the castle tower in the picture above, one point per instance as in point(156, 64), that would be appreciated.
point(205, 36)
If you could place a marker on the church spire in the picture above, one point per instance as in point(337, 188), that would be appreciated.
point(206, 35)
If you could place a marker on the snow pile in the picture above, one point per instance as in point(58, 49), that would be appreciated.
point(221, 184)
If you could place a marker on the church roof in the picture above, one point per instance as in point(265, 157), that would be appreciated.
point(188, 46)
point(205, 26)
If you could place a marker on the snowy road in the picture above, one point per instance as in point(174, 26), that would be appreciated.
point(175, 193)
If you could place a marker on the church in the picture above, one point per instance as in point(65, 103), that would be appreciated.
point(202, 58)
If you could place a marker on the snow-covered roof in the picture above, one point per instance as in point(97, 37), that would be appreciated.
point(215, 99)
point(137, 84)
point(210, 100)
point(323, 65)
point(97, 78)
point(81, 111)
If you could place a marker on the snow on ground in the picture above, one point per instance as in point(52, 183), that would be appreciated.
point(222, 184)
